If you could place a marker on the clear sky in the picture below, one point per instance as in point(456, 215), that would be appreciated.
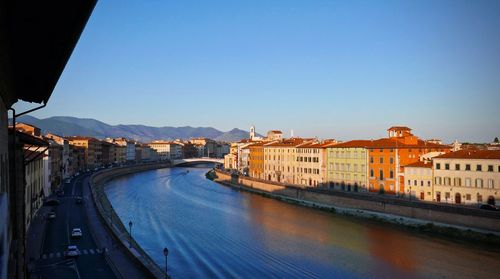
point(332, 69)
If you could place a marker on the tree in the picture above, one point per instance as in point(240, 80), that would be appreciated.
point(496, 140)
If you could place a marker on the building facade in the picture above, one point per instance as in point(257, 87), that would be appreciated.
point(467, 177)
point(419, 181)
point(347, 166)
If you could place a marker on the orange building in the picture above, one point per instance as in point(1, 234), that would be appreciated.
point(256, 160)
point(388, 156)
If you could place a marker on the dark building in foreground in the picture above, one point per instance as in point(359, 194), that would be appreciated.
point(36, 41)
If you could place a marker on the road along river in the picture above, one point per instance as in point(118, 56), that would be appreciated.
point(215, 231)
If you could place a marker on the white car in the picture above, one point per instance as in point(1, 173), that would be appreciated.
point(72, 251)
point(77, 232)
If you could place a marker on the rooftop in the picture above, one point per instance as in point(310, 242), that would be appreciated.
point(471, 154)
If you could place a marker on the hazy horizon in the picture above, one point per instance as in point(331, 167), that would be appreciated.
point(327, 69)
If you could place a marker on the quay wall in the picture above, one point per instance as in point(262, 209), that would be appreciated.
point(97, 183)
point(389, 208)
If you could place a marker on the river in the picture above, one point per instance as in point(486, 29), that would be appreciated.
point(216, 231)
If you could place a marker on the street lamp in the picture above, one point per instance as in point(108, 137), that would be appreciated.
point(130, 233)
point(165, 253)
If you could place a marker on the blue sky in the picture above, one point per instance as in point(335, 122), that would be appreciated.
point(332, 69)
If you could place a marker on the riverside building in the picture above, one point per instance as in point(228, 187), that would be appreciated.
point(467, 177)
point(347, 165)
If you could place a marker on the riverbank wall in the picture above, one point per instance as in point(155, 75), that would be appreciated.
point(112, 220)
point(391, 209)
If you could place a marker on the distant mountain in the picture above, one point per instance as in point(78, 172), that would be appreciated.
point(73, 126)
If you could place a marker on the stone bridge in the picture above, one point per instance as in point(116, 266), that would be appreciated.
point(197, 160)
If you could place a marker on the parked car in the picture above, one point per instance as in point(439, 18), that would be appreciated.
point(72, 252)
point(488, 207)
point(52, 202)
point(79, 200)
point(76, 233)
point(51, 215)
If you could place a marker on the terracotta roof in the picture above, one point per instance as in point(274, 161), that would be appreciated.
point(352, 143)
point(276, 131)
point(395, 143)
point(419, 164)
point(286, 143)
point(471, 154)
point(399, 128)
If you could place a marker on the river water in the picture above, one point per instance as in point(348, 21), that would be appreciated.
point(215, 231)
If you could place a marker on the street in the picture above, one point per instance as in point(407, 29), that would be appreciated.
point(52, 263)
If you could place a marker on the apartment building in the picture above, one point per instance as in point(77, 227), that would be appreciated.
point(280, 161)
point(310, 167)
point(167, 150)
point(467, 177)
point(93, 149)
point(347, 165)
point(418, 181)
point(388, 156)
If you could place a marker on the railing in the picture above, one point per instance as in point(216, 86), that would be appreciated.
point(113, 221)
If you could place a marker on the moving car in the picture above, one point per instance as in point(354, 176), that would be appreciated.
point(77, 232)
point(72, 252)
point(51, 215)
point(488, 207)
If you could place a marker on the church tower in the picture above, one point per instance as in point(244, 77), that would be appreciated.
point(252, 132)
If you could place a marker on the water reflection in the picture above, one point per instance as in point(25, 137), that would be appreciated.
point(215, 231)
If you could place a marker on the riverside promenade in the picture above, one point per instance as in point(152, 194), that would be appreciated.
point(396, 210)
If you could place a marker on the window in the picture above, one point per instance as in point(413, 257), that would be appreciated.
point(371, 173)
point(479, 183)
point(381, 174)
point(381, 160)
point(467, 182)
point(490, 167)
point(391, 160)
point(421, 183)
point(415, 182)
point(438, 166)
point(371, 159)
point(467, 197)
point(429, 183)
point(491, 184)
point(457, 166)
point(479, 198)
point(392, 149)
point(446, 166)
point(391, 174)
point(457, 181)
point(438, 180)
point(478, 167)
point(381, 150)
point(409, 182)
point(467, 167)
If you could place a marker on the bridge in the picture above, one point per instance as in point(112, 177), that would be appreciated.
point(177, 162)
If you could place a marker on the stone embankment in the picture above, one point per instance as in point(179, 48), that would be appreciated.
point(113, 222)
point(445, 218)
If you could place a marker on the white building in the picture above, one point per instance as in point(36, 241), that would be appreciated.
point(467, 177)
point(167, 150)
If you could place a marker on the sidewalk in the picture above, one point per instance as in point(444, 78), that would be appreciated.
point(117, 257)
point(35, 236)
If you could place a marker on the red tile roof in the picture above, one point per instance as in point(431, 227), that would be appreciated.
point(419, 164)
point(404, 128)
point(471, 154)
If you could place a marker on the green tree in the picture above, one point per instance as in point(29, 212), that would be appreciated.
point(496, 140)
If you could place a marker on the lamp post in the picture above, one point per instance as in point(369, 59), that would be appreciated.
point(165, 253)
point(130, 233)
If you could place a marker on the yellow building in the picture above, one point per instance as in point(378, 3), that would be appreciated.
point(92, 149)
point(347, 165)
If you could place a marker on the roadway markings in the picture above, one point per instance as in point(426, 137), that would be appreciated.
point(55, 255)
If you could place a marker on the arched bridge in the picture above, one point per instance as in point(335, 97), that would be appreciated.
point(197, 160)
